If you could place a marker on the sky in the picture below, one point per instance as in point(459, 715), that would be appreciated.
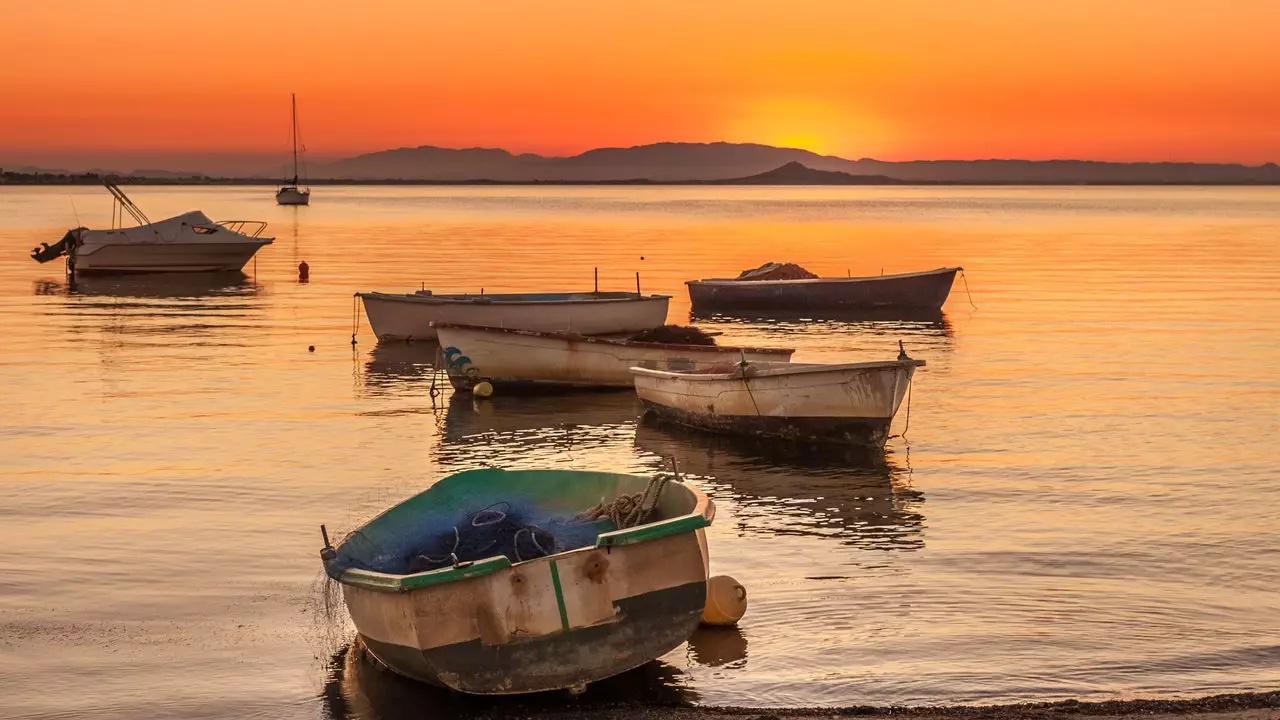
point(911, 79)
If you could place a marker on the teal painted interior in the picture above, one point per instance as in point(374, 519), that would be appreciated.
point(538, 493)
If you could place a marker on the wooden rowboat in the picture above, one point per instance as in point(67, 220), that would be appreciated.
point(902, 292)
point(409, 316)
point(595, 602)
point(526, 359)
point(850, 404)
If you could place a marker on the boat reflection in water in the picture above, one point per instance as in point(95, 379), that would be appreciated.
point(857, 495)
point(358, 688)
point(164, 286)
point(216, 307)
point(525, 430)
point(846, 333)
point(398, 367)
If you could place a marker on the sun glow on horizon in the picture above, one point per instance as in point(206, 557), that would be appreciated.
point(819, 126)
point(939, 79)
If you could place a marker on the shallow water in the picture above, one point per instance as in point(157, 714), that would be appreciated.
point(1083, 505)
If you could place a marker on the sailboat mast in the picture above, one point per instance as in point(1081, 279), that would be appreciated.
point(293, 133)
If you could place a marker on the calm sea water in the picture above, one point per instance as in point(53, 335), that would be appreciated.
point(1083, 506)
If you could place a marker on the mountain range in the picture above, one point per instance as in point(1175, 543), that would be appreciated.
point(702, 162)
point(729, 162)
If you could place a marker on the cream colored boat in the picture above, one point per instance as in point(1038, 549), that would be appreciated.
point(410, 316)
point(530, 360)
point(851, 404)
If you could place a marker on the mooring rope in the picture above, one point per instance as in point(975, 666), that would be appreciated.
point(966, 290)
point(355, 317)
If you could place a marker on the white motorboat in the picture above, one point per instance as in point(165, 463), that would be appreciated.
point(409, 316)
point(189, 242)
point(850, 404)
point(291, 193)
point(528, 359)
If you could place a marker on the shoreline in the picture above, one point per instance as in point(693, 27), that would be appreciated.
point(1235, 706)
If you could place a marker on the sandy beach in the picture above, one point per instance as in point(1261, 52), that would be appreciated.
point(1244, 706)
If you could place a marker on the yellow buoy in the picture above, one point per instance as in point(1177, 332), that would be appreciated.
point(726, 601)
point(482, 389)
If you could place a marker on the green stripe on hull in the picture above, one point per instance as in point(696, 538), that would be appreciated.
point(555, 583)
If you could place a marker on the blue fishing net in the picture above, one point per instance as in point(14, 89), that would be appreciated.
point(517, 533)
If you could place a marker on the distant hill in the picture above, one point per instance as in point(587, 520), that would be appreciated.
point(710, 162)
point(794, 173)
point(702, 162)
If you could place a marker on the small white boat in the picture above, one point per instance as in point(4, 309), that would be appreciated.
point(189, 242)
point(851, 404)
point(531, 359)
point(290, 193)
point(409, 316)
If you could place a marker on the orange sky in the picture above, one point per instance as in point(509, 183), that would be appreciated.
point(1116, 79)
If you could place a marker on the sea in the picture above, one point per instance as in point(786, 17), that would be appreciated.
point(1081, 502)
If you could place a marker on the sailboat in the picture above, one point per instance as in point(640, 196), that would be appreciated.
point(291, 194)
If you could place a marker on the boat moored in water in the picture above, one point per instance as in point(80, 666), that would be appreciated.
point(496, 582)
point(291, 193)
point(850, 404)
point(409, 316)
point(529, 360)
point(189, 242)
point(915, 291)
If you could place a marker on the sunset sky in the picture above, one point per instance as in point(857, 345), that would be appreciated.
point(910, 79)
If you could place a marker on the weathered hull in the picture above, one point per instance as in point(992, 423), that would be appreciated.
point(868, 432)
point(906, 292)
point(526, 360)
point(846, 404)
point(564, 660)
point(166, 257)
point(409, 317)
point(596, 606)
point(522, 630)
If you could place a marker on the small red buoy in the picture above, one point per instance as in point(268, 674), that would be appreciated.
point(304, 272)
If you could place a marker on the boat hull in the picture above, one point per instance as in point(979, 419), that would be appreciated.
point(293, 196)
point(925, 291)
point(501, 625)
point(842, 404)
point(410, 317)
point(528, 360)
point(166, 257)
point(656, 622)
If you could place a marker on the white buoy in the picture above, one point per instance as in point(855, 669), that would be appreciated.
point(482, 389)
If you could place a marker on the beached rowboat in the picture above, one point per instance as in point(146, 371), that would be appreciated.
point(851, 404)
point(526, 359)
point(904, 291)
point(599, 602)
point(409, 316)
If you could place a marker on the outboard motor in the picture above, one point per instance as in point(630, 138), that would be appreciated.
point(47, 252)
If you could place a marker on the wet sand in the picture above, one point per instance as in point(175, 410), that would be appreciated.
point(1244, 706)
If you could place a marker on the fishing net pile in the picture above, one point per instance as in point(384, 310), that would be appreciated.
point(522, 533)
point(776, 271)
point(674, 335)
point(500, 529)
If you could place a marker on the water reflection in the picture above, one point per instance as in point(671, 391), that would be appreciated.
point(399, 366)
point(166, 286)
point(932, 329)
point(718, 647)
point(861, 497)
point(512, 429)
point(358, 689)
point(201, 308)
